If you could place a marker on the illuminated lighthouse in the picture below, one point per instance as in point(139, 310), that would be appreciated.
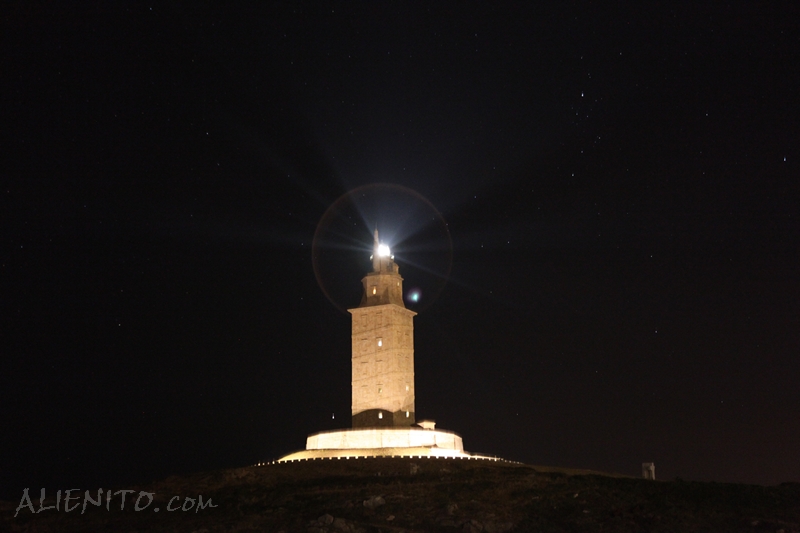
point(383, 348)
point(384, 421)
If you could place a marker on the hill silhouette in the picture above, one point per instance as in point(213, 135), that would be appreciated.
point(417, 495)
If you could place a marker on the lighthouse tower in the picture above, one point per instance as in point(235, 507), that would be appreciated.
point(383, 348)
point(384, 421)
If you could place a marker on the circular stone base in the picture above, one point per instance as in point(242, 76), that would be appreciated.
point(381, 442)
point(405, 437)
point(353, 453)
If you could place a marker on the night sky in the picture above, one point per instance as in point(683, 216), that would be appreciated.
point(599, 208)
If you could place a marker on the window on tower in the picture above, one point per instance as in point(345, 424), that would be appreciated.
point(380, 341)
point(374, 290)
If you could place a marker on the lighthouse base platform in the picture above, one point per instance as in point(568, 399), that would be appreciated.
point(381, 442)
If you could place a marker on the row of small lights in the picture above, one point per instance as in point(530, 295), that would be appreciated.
point(469, 458)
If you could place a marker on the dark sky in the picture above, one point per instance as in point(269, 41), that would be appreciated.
point(599, 205)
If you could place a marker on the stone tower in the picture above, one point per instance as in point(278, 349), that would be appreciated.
point(383, 381)
point(383, 348)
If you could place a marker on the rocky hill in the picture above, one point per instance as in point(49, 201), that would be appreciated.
point(413, 495)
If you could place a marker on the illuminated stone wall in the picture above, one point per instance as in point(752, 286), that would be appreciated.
point(385, 438)
point(383, 366)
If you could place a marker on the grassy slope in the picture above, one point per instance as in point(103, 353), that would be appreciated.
point(433, 495)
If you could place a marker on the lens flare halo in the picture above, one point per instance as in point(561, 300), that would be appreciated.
point(411, 230)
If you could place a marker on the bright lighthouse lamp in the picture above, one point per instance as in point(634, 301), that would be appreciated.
point(383, 250)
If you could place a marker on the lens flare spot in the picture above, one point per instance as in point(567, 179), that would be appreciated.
point(414, 295)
